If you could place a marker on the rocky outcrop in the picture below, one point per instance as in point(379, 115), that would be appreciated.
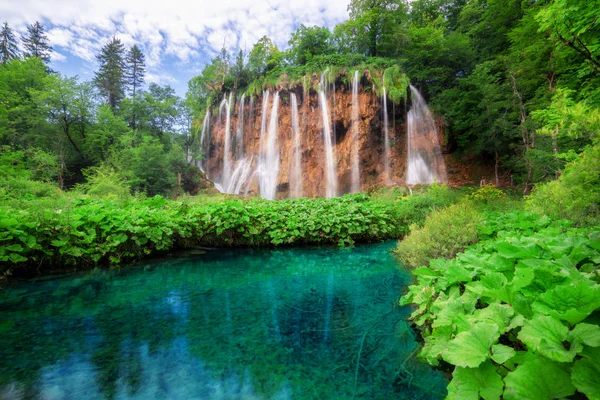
point(371, 138)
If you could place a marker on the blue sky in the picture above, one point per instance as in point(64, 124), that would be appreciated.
point(178, 37)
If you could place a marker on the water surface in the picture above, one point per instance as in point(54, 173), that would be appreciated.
point(231, 324)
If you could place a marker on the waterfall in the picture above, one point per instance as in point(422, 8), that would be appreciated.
point(205, 142)
point(226, 152)
point(296, 170)
point(425, 161)
point(268, 167)
point(239, 177)
point(251, 119)
point(386, 141)
point(355, 136)
point(330, 173)
point(239, 137)
point(263, 122)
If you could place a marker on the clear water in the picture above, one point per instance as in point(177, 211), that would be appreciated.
point(231, 324)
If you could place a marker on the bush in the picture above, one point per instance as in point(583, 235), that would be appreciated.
point(413, 209)
point(105, 183)
point(576, 193)
point(445, 233)
point(512, 312)
point(22, 187)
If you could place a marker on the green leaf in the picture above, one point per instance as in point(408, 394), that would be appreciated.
point(502, 353)
point(586, 372)
point(500, 314)
point(15, 248)
point(16, 258)
point(435, 344)
point(471, 383)
point(537, 379)
point(471, 348)
point(545, 335)
point(571, 302)
point(587, 334)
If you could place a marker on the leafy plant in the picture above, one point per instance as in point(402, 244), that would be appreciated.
point(445, 233)
point(515, 315)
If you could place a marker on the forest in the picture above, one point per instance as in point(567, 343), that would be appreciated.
point(505, 296)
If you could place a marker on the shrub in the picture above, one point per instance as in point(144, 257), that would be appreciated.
point(513, 312)
point(105, 183)
point(576, 193)
point(445, 233)
point(487, 195)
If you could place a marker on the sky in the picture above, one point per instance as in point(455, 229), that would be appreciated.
point(178, 37)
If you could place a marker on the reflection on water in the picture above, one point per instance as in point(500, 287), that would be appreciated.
point(231, 324)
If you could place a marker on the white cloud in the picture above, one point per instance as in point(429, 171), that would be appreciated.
point(57, 57)
point(160, 78)
point(182, 29)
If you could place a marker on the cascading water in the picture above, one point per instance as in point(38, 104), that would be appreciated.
point(226, 152)
point(205, 142)
point(263, 122)
point(268, 168)
point(425, 161)
point(330, 173)
point(386, 141)
point(239, 137)
point(296, 170)
point(251, 119)
point(355, 136)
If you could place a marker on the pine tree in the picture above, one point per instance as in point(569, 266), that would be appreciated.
point(36, 43)
point(135, 69)
point(110, 78)
point(8, 44)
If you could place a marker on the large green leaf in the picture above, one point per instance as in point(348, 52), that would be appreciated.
point(571, 302)
point(544, 335)
point(587, 334)
point(500, 314)
point(586, 373)
point(471, 348)
point(435, 344)
point(502, 353)
point(538, 379)
point(473, 383)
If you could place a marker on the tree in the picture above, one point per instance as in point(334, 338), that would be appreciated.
point(8, 44)
point(134, 75)
point(36, 43)
point(308, 42)
point(372, 25)
point(135, 69)
point(21, 122)
point(163, 106)
point(69, 105)
point(264, 56)
point(577, 25)
point(110, 78)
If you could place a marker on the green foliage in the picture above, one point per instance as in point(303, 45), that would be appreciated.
point(105, 183)
point(444, 234)
point(307, 42)
point(9, 49)
point(576, 193)
point(414, 209)
point(396, 84)
point(487, 195)
point(514, 314)
point(36, 42)
point(110, 78)
point(87, 231)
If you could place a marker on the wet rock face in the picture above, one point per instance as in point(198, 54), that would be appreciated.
point(312, 146)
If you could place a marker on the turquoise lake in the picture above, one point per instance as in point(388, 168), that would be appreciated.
point(304, 323)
